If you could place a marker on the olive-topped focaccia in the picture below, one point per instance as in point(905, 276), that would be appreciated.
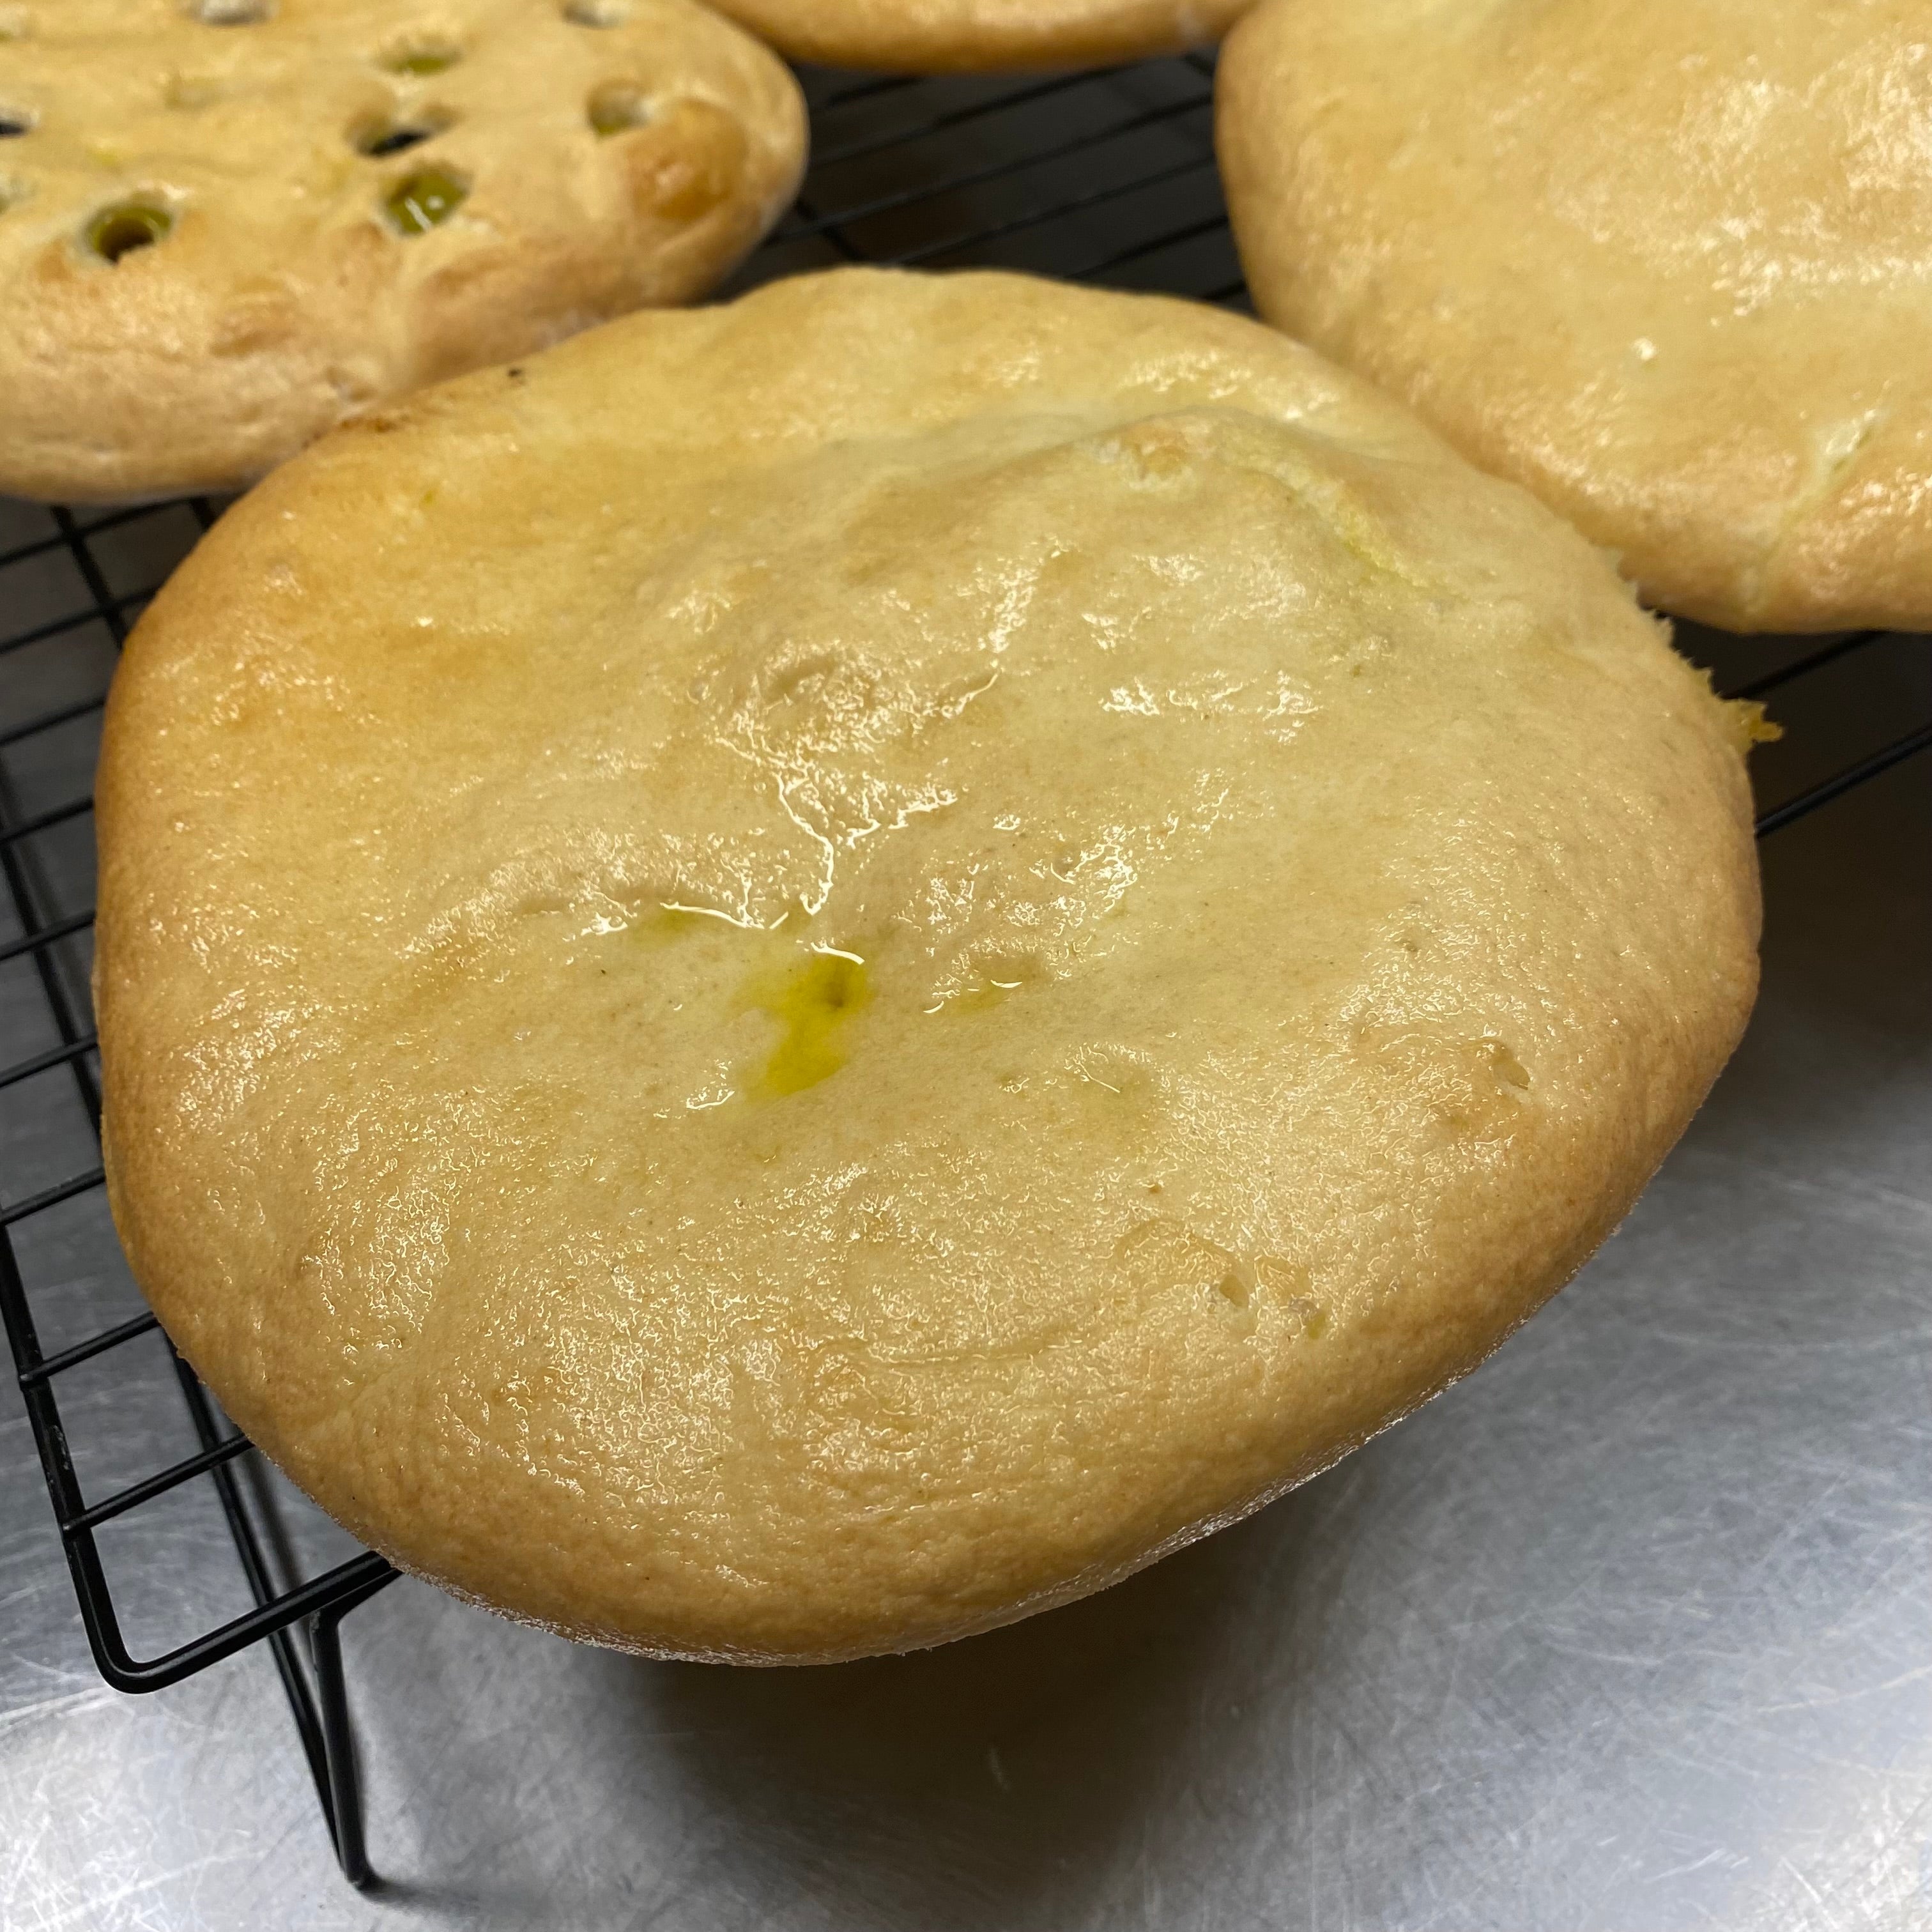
point(225, 225)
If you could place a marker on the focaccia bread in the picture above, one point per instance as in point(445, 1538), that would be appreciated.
point(981, 36)
point(227, 225)
point(1668, 263)
point(806, 975)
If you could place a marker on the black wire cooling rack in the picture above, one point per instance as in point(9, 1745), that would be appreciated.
point(1107, 178)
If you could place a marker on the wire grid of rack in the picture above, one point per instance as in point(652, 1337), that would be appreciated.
point(1107, 178)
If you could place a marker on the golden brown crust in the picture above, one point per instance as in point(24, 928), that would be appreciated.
point(284, 296)
point(1301, 899)
point(982, 36)
point(1665, 264)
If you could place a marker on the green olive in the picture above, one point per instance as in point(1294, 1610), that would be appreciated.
point(418, 202)
point(423, 60)
point(812, 1002)
point(616, 109)
point(116, 232)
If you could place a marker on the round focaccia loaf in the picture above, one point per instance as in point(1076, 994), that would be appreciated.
point(225, 225)
point(980, 36)
point(807, 975)
point(1668, 263)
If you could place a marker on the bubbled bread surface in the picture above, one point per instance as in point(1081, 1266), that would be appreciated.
point(806, 975)
point(1668, 263)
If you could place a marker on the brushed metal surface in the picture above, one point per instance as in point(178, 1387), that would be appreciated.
point(1630, 1632)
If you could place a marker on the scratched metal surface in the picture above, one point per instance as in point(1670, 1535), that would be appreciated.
point(1631, 1632)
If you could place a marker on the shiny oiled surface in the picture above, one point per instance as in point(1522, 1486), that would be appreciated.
point(970, 925)
point(1632, 1632)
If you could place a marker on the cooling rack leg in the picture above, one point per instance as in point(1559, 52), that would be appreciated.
point(338, 1748)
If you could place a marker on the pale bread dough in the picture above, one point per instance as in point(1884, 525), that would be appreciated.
point(1299, 899)
point(1668, 263)
point(285, 294)
point(980, 36)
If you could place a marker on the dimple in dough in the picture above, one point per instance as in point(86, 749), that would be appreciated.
point(1668, 263)
point(807, 975)
point(224, 228)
